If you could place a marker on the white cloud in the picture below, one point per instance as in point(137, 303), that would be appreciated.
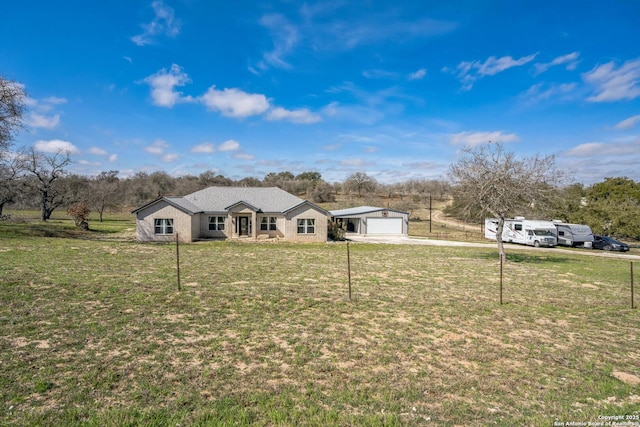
point(157, 147)
point(628, 123)
point(614, 84)
point(418, 75)
point(599, 149)
point(468, 72)
point(571, 61)
point(39, 117)
point(205, 147)
point(163, 23)
point(472, 139)
point(170, 157)
point(55, 100)
point(229, 145)
point(88, 163)
point(244, 156)
point(55, 146)
point(285, 37)
point(379, 74)
point(302, 115)
point(493, 65)
point(356, 162)
point(97, 151)
point(41, 121)
point(352, 113)
point(163, 83)
point(541, 92)
point(234, 102)
point(370, 29)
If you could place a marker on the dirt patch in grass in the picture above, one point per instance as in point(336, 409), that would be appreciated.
point(625, 377)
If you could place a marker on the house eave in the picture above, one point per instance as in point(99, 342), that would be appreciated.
point(306, 202)
point(240, 203)
point(168, 201)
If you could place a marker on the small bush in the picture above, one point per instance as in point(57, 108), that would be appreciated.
point(336, 231)
point(80, 214)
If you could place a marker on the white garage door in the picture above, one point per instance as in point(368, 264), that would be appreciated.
point(384, 225)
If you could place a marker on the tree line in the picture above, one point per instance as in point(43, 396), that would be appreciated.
point(31, 179)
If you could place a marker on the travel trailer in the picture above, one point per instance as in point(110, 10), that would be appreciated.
point(573, 234)
point(524, 231)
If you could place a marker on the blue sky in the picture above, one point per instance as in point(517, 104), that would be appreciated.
point(392, 89)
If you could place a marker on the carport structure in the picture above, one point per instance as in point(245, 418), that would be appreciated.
point(365, 220)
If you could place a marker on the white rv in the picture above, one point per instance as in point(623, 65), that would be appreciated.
point(524, 231)
point(574, 234)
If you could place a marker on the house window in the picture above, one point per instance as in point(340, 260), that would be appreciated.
point(268, 223)
point(163, 225)
point(306, 226)
point(216, 223)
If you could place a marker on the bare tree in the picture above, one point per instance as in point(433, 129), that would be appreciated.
point(489, 181)
point(11, 111)
point(360, 182)
point(249, 182)
point(11, 169)
point(321, 193)
point(104, 192)
point(46, 171)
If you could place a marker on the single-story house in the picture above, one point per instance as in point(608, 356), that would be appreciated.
point(232, 212)
point(372, 220)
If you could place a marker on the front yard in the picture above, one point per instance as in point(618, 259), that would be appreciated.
point(95, 332)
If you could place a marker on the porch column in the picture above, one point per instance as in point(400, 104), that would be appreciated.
point(232, 226)
point(254, 225)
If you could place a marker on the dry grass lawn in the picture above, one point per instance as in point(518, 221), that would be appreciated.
point(96, 332)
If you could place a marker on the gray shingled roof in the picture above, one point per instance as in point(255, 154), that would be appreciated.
point(267, 199)
point(184, 204)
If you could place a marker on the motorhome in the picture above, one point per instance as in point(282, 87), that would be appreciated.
point(524, 231)
point(573, 234)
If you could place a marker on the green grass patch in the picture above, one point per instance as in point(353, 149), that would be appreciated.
point(27, 223)
point(96, 333)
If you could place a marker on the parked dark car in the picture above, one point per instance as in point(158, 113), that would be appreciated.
point(609, 244)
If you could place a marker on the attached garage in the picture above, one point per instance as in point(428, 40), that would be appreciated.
point(384, 226)
point(372, 220)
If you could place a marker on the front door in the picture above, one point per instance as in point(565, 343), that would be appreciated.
point(244, 226)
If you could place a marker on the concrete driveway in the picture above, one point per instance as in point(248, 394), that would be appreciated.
point(406, 240)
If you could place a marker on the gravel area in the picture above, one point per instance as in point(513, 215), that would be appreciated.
point(406, 240)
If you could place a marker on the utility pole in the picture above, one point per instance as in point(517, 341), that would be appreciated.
point(429, 213)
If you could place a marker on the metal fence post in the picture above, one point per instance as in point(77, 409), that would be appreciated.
point(349, 269)
point(178, 260)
